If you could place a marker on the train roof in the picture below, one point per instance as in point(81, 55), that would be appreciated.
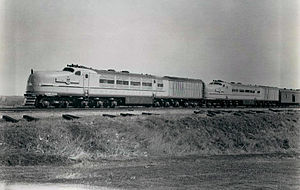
point(241, 84)
point(127, 73)
point(112, 71)
point(290, 89)
point(182, 79)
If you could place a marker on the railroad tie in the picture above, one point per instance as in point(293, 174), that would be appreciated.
point(274, 110)
point(198, 111)
point(70, 117)
point(30, 118)
point(127, 114)
point(108, 115)
point(147, 113)
point(9, 119)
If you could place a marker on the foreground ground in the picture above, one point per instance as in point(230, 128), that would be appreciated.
point(188, 172)
point(222, 149)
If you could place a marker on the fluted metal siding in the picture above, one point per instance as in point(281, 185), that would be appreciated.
point(185, 89)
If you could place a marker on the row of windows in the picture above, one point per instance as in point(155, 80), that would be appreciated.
point(107, 81)
point(147, 84)
point(132, 83)
point(135, 83)
point(122, 82)
point(246, 91)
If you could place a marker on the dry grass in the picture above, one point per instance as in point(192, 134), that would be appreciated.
point(11, 101)
point(95, 138)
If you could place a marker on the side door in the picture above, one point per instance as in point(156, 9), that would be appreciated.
point(86, 83)
point(154, 87)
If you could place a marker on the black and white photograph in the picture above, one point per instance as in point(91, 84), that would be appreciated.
point(149, 94)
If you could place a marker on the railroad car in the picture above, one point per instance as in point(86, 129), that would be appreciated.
point(224, 93)
point(80, 86)
point(289, 96)
point(182, 91)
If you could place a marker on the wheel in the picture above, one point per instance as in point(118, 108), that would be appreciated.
point(44, 104)
point(156, 104)
point(176, 104)
point(65, 104)
point(113, 104)
point(83, 104)
point(167, 104)
point(99, 104)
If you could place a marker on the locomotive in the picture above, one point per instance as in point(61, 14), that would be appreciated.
point(80, 86)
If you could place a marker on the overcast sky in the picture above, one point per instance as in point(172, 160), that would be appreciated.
point(251, 41)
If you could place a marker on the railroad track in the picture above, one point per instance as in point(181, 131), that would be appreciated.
point(21, 109)
point(33, 109)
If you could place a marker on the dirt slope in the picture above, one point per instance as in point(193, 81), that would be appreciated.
point(95, 138)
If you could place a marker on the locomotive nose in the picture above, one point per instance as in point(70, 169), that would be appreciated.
point(33, 81)
point(38, 81)
point(38, 78)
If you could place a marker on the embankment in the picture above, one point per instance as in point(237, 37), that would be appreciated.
point(58, 141)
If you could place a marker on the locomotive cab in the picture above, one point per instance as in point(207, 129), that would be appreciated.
point(44, 86)
point(216, 87)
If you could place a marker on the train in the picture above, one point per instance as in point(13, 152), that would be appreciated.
point(81, 86)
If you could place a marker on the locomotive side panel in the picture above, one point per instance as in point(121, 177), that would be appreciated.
point(229, 91)
point(115, 85)
point(185, 89)
point(270, 93)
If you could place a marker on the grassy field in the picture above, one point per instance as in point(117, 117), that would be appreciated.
point(95, 138)
point(11, 101)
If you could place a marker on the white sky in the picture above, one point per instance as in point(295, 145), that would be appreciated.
point(251, 41)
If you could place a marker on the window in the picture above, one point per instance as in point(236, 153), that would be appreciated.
point(68, 69)
point(247, 91)
point(258, 92)
point(78, 73)
point(135, 83)
point(110, 81)
point(121, 82)
point(107, 81)
point(242, 90)
point(235, 90)
point(86, 76)
point(160, 85)
point(216, 83)
point(102, 80)
point(147, 84)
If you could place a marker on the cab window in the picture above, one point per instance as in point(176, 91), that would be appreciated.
point(160, 85)
point(68, 69)
point(78, 73)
